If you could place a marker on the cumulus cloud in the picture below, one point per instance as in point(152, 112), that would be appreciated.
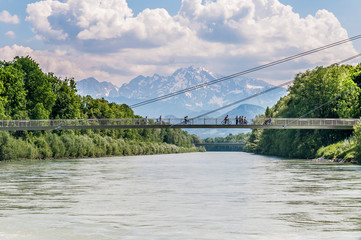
point(64, 63)
point(102, 24)
point(225, 36)
point(8, 53)
point(39, 14)
point(6, 17)
point(10, 34)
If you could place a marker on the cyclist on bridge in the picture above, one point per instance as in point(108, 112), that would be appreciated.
point(226, 120)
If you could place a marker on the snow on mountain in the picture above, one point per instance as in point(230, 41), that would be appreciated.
point(204, 99)
point(92, 87)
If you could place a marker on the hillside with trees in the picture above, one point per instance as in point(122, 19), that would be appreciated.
point(26, 92)
point(324, 92)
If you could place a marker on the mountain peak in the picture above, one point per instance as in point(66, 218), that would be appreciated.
point(90, 80)
point(203, 99)
point(91, 86)
point(191, 69)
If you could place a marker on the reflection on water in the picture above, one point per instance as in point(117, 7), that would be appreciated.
point(185, 196)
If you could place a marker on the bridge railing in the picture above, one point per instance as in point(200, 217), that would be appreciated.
point(308, 122)
point(176, 121)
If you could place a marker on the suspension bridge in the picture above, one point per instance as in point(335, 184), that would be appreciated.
point(199, 122)
point(145, 123)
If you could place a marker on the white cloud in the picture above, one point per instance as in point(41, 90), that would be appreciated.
point(6, 17)
point(8, 53)
point(61, 62)
point(102, 24)
point(10, 34)
point(39, 14)
point(225, 36)
point(217, 101)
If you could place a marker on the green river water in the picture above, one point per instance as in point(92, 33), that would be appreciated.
point(217, 195)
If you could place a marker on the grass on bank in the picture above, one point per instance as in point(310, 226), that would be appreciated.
point(345, 150)
point(54, 146)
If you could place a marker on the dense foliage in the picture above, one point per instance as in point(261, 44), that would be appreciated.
point(238, 138)
point(324, 92)
point(347, 150)
point(26, 92)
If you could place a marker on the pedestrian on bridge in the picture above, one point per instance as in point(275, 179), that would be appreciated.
point(237, 120)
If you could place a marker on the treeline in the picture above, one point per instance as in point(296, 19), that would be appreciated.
point(237, 138)
point(324, 92)
point(26, 92)
point(241, 137)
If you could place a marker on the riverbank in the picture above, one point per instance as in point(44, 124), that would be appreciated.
point(345, 151)
point(70, 145)
point(336, 160)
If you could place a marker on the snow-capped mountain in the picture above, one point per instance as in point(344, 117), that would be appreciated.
point(190, 103)
point(92, 87)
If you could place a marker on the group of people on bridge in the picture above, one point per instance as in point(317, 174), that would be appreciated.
point(239, 120)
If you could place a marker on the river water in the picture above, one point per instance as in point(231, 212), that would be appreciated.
point(183, 196)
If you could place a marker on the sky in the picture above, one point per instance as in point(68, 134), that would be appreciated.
point(117, 40)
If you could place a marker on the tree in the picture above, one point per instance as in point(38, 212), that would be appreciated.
point(39, 112)
point(36, 83)
point(319, 93)
point(12, 93)
point(268, 112)
point(67, 103)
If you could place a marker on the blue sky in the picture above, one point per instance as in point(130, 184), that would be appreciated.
point(119, 39)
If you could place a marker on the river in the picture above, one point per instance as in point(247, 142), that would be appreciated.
point(206, 196)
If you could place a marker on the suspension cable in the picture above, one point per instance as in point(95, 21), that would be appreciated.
point(263, 92)
point(246, 71)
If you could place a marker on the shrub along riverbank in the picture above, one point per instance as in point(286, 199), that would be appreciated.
point(26, 92)
point(348, 150)
point(335, 89)
point(69, 145)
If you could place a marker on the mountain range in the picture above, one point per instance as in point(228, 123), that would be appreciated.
point(190, 103)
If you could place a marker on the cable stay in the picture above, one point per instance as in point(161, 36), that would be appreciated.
point(276, 87)
point(277, 62)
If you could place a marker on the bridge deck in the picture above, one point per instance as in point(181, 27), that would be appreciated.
point(277, 123)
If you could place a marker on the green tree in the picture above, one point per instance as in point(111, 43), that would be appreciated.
point(12, 93)
point(320, 93)
point(39, 112)
point(67, 103)
point(36, 83)
point(268, 112)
